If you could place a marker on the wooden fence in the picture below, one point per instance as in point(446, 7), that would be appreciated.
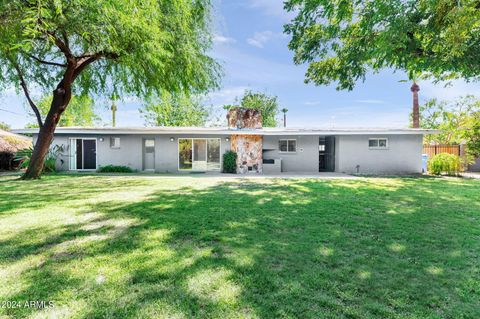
point(432, 150)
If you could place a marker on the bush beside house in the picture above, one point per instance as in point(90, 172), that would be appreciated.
point(444, 163)
point(50, 165)
point(230, 162)
point(114, 169)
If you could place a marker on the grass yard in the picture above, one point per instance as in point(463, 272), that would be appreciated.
point(153, 247)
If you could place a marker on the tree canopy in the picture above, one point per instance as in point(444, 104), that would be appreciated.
point(473, 137)
point(263, 102)
point(175, 110)
point(4, 126)
point(343, 40)
point(138, 47)
point(81, 111)
point(458, 121)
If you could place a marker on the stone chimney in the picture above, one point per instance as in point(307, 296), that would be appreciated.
point(241, 118)
point(416, 109)
point(248, 147)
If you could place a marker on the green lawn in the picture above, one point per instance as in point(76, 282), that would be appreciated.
point(153, 247)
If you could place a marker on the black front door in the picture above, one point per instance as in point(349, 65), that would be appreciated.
point(89, 154)
point(326, 154)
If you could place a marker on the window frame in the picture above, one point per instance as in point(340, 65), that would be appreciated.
point(378, 147)
point(114, 138)
point(192, 139)
point(287, 140)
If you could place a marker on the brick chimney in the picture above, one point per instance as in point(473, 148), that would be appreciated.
point(416, 110)
point(247, 146)
point(241, 118)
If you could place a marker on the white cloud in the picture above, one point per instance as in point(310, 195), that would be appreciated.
point(370, 101)
point(217, 38)
point(260, 38)
point(272, 8)
point(448, 91)
point(226, 95)
point(251, 70)
point(313, 103)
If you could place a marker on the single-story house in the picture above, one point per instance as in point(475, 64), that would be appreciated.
point(259, 150)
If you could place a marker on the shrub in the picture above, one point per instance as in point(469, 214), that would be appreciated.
point(444, 163)
point(49, 166)
point(114, 169)
point(230, 162)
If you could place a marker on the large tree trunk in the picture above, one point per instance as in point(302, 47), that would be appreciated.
point(61, 98)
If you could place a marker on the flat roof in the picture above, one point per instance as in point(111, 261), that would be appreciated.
point(227, 131)
point(4, 133)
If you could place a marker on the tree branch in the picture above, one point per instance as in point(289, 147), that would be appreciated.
point(23, 84)
point(61, 45)
point(63, 65)
point(65, 38)
point(87, 59)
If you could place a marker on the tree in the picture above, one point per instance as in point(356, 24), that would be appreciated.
point(80, 112)
point(472, 136)
point(4, 126)
point(175, 110)
point(138, 48)
point(268, 105)
point(454, 119)
point(343, 40)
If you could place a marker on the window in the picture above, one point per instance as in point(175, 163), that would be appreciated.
point(378, 143)
point(149, 146)
point(287, 146)
point(114, 142)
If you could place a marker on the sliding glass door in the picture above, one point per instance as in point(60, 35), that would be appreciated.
point(213, 154)
point(199, 154)
point(83, 154)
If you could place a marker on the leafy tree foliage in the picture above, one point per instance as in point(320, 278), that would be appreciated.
point(343, 40)
point(4, 126)
point(268, 105)
point(80, 112)
point(472, 136)
point(175, 110)
point(455, 119)
point(138, 47)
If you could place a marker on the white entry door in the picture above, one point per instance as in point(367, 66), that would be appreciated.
point(149, 155)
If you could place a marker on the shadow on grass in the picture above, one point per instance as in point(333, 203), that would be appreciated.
point(277, 248)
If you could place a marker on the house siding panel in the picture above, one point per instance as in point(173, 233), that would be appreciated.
point(130, 152)
point(305, 159)
point(403, 155)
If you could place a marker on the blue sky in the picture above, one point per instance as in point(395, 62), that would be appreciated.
point(250, 45)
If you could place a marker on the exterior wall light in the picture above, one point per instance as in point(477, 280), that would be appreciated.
point(227, 139)
point(101, 139)
point(172, 139)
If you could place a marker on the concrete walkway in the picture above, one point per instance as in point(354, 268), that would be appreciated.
point(471, 174)
point(218, 175)
point(215, 175)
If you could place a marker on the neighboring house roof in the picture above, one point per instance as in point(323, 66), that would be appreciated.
point(11, 142)
point(227, 131)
